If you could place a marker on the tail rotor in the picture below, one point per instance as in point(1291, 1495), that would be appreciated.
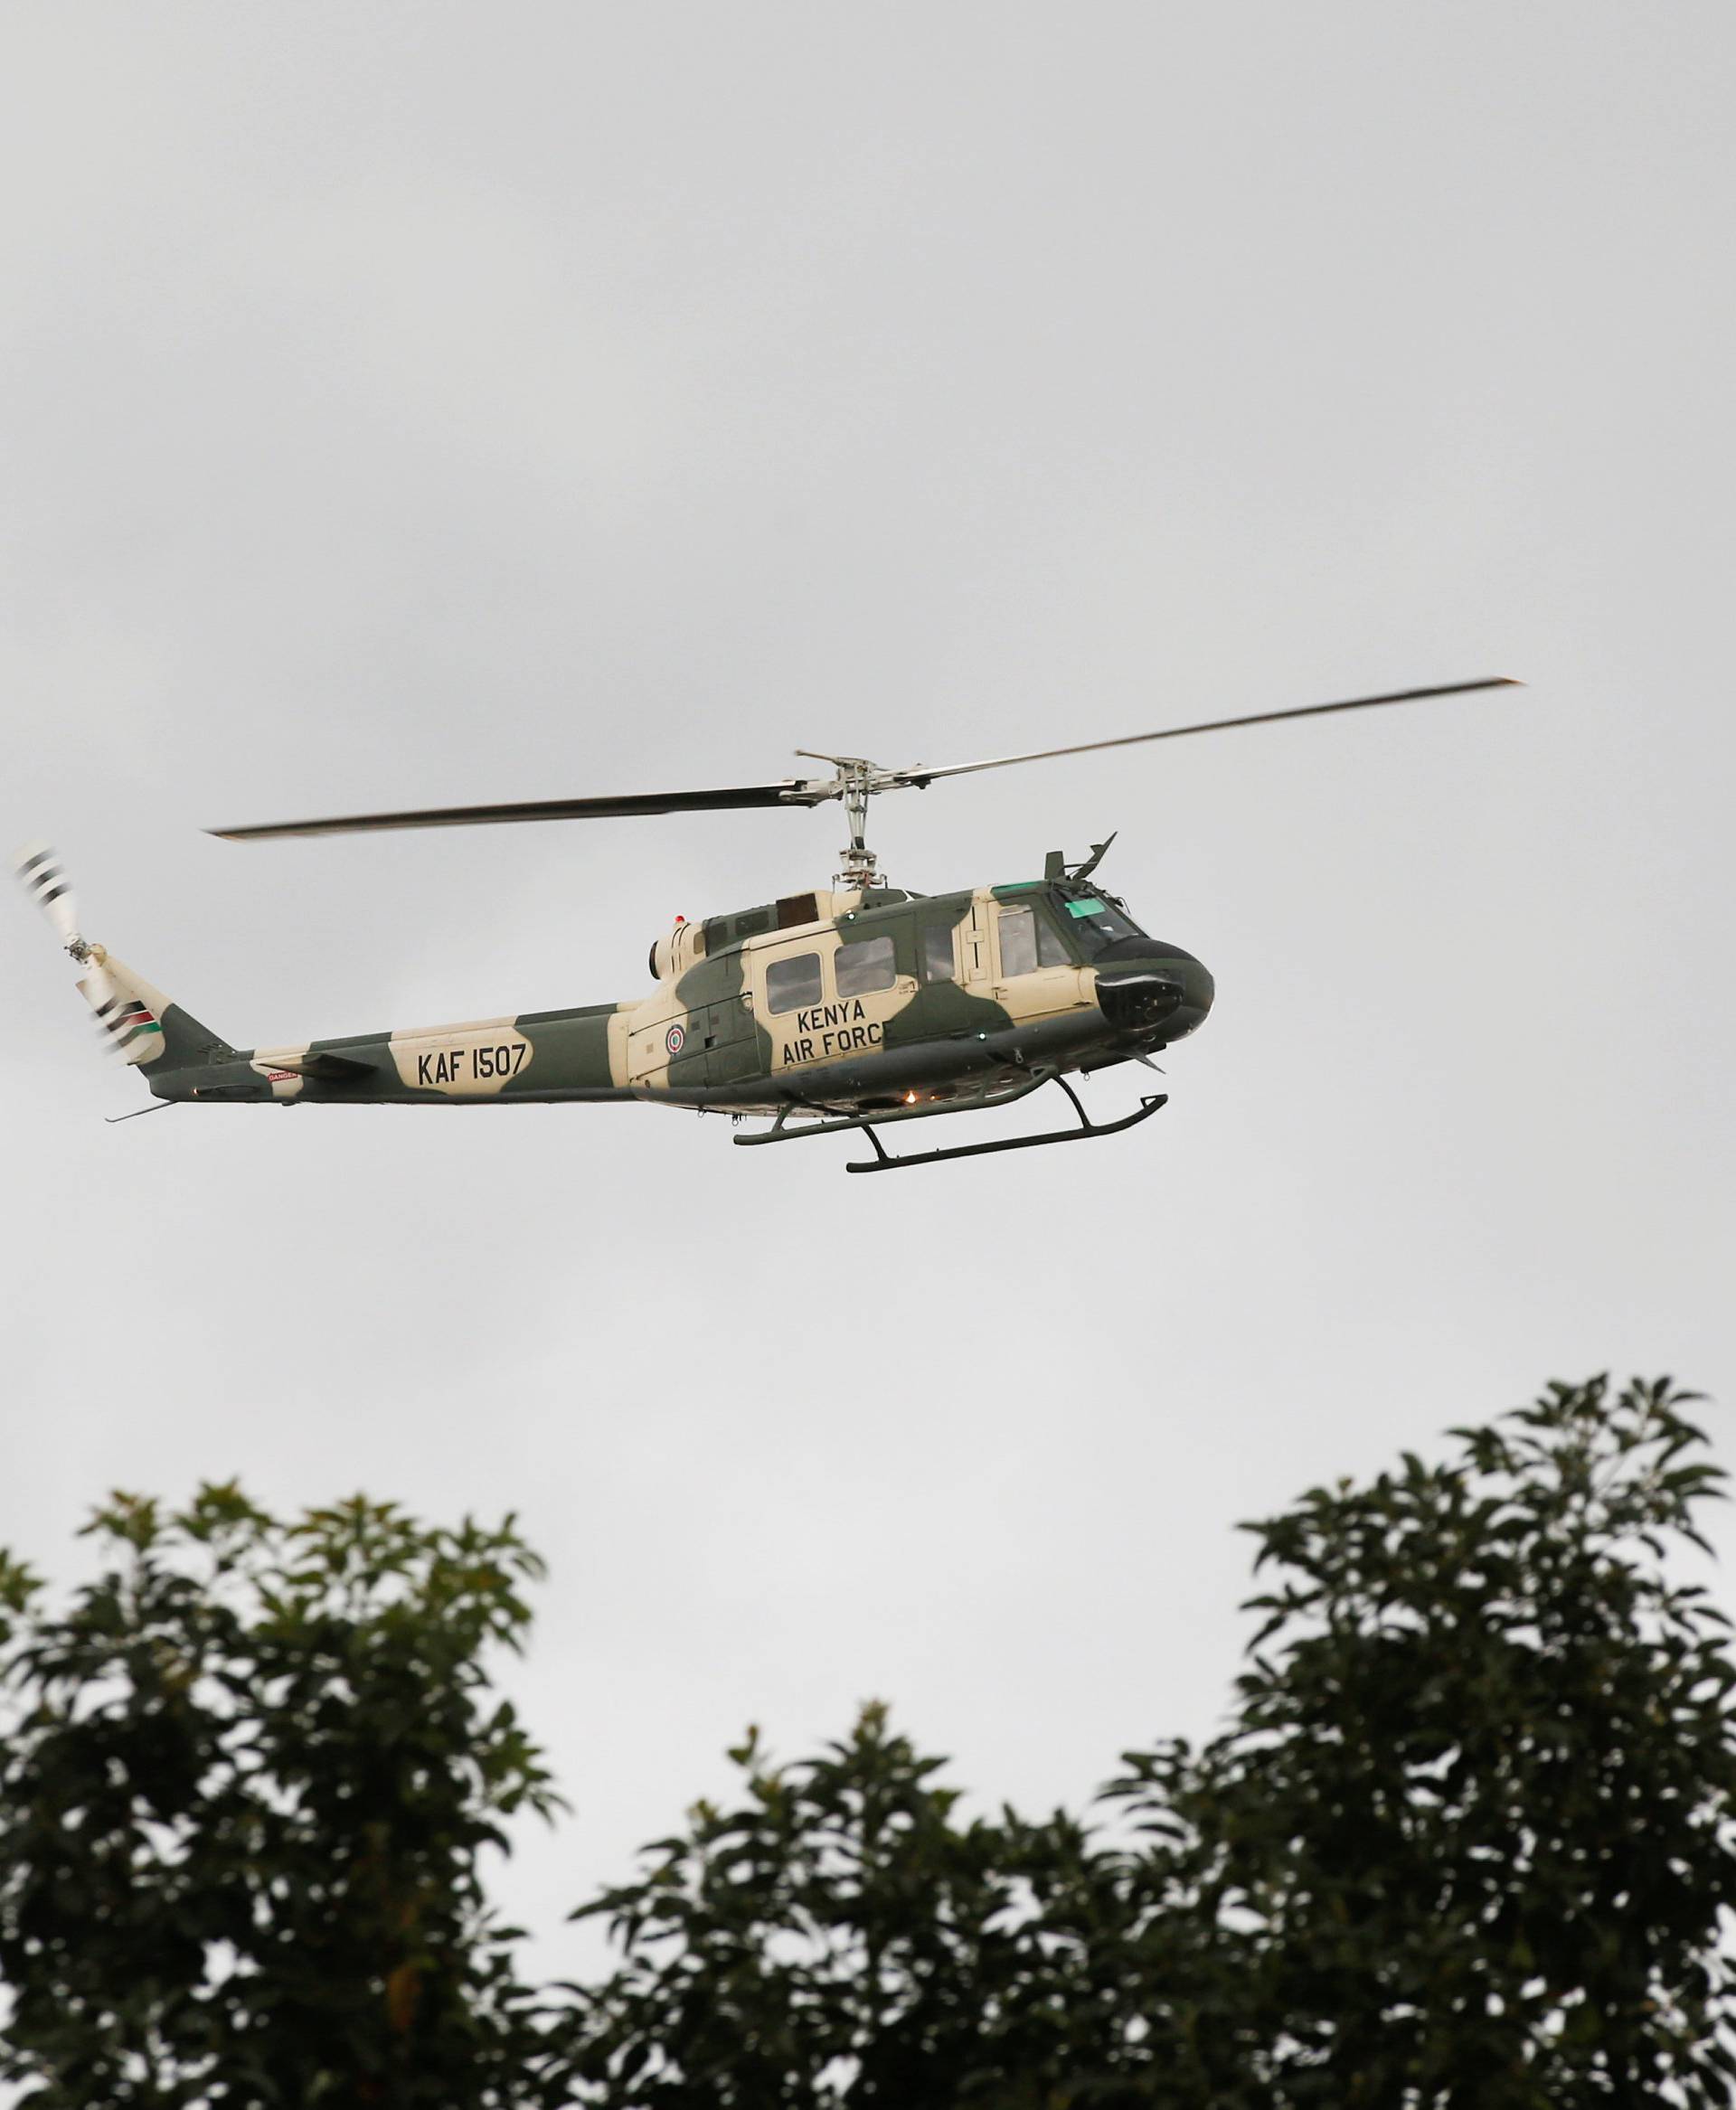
point(130, 1024)
point(44, 879)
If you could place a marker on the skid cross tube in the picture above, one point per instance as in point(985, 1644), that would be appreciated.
point(1089, 1130)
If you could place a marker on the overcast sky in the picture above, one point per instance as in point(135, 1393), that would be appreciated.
point(413, 404)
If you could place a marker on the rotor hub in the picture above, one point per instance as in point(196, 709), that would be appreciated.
point(857, 782)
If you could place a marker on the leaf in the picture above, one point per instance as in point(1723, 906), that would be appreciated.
point(403, 1988)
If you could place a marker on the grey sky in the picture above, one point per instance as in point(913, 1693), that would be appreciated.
point(414, 404)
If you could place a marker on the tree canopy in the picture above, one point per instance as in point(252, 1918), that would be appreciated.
point(1465, 1839)
point(246, 1779)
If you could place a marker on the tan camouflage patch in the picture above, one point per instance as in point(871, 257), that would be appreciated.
point(470, 1061)
point(268, 1061)
point(129, 1003)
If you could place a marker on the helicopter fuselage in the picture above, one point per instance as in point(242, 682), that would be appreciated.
point(847, 1002)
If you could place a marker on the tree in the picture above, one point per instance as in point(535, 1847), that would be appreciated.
point(1471, 1833)
point(842, 1936)
point(246, 1780)
point(1466, 1843)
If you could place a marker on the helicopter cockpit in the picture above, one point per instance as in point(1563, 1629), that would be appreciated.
point(1048, 924)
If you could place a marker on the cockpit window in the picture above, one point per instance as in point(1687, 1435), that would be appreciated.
point(1051, 950)
point(1029, 940)
point(1095, 924)
point(1018, 941)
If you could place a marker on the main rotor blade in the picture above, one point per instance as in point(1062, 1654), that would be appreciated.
point(922, 777)
point(534, 809)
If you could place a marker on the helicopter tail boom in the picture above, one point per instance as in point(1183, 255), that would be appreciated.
point(542, 1056)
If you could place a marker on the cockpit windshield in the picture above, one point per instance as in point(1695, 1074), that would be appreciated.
point(1094, 924)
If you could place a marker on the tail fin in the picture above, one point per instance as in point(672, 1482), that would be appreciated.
point(139, 1022)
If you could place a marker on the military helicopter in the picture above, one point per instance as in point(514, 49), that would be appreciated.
point(848, 1009)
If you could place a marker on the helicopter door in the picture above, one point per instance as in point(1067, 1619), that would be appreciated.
point(826, 1000)
point(1037, 976)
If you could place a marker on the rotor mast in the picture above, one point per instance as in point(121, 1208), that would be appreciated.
point(857, 782)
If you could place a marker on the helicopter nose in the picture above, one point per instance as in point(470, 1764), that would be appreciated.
point(1146, 987)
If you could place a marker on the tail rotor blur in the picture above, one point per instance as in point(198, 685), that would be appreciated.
point(44, 878)
point(125, 1021)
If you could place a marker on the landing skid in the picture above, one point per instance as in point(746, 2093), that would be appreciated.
point(883, 1160)
point(1087, 1131)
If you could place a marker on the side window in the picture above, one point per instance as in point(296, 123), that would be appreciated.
point(860, 968)
point(1052, 949)
point(793, 984)
point(1018, 942)
point(937, 953)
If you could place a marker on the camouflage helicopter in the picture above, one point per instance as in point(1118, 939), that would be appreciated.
point(847, 1009)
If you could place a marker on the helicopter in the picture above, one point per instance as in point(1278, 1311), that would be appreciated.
point(844, 1009)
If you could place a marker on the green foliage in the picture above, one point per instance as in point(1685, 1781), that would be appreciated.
point(1469, 1838)
point(842, 1920)
point(246, 1776)
point(1468, 1841)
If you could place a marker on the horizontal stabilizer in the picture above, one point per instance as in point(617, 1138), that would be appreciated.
point(333, 1069)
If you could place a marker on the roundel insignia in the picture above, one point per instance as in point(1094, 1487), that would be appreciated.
point(676, 1039)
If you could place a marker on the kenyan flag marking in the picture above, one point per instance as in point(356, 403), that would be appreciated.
point(124, 1023)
